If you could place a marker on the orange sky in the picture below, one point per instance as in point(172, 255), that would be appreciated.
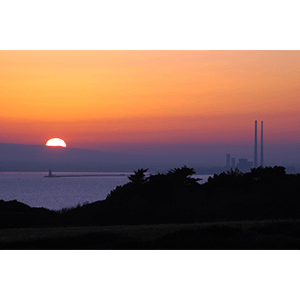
point(93, 99)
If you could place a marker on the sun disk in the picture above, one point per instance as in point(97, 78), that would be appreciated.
point(56, 142)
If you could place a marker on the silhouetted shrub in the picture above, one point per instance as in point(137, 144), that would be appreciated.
point(139, 177)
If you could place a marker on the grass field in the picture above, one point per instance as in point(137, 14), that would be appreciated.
point(284, 234)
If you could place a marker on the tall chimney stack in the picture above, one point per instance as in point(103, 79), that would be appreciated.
point(262, 145)
point(255, 145)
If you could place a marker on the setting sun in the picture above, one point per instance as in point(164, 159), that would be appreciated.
point(56, 142)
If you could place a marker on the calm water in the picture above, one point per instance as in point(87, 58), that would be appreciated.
point(57, 193)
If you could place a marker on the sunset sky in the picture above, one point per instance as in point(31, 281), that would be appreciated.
point(100, 99)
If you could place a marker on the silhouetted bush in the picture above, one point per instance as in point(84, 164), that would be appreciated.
point(139, 177)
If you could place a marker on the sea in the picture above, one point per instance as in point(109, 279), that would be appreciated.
point(64, 191)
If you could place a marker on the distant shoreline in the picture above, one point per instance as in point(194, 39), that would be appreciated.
point(84, 175)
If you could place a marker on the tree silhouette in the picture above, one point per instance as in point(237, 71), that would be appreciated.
point(182, 176)
point(139, 177)
point(234, 173)
point(268, 172)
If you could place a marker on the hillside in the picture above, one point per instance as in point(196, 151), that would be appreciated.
point(175, 197)
point(19, 157)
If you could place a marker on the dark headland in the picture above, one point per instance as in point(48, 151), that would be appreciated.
point(233, 210)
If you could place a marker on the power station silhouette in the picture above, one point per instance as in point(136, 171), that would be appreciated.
point(243, 163)
point(261, 145)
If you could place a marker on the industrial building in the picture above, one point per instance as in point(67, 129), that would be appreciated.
point(244, 164)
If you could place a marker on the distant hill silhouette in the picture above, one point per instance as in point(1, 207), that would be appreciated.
point(20, 157)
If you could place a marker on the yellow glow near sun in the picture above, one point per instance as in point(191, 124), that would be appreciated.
point(56, 142)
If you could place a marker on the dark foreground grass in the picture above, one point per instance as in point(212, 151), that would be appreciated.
point(261, 235)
